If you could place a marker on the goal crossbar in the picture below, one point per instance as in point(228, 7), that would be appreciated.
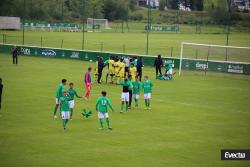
point(207, 45)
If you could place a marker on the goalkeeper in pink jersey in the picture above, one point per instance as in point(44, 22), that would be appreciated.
point(88, 84)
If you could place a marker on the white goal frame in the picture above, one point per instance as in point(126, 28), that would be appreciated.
point(91, 21)
point(209, 46)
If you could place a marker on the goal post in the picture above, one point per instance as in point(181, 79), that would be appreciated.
point(97, 23)
point(203, 57)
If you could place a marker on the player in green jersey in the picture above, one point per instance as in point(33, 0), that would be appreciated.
point(147, 89)
point(65, 111)
point(136, 91)
point(59, 94)
point(72, 93)
point(102, 105)
point(130, 91)
point(125, 93)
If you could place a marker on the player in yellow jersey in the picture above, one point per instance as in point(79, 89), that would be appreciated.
point(121, 70)
point(116, 69)
point(111, 68)
point(96, 69)
point(133, 71)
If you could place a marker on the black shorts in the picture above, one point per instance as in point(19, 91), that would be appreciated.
point(126, 69)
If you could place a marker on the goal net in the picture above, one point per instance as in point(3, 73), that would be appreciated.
point(97, 23)
point(205, 57)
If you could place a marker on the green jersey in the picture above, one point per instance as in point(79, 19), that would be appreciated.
point(130, 84)
point(102, 104)
point(126, 86)
point(168, 67)
point(147, 86)
point(59, 90)
point(65, 103)
point(72, 93)
point(136, 87)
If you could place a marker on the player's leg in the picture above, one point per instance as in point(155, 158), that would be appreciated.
point(112, 78)
point(107, 120)
point(63, 114)
point(0, 102)
point(56, 107)
point(126, 106)
point(127, 101)
point(146, 100)
point(88, 88)
point(100, 117)
point(107, 75)
point(130, 98)
point(118, 79)
point(136, 98)
point(149, 97)
point(71, 106)
point(122, 106)
point(156, 71)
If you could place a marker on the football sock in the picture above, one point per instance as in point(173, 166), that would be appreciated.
point(126, 106)
point(101, 123)
point(108, 122)
point(136, 102)
point(71, 113)
point(122, 107)
point(55, 110)
point(148, 102)
point(64, 123)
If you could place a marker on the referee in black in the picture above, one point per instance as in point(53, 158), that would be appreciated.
point(158, 64)
point(15, 53)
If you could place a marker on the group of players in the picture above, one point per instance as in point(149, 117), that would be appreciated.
point(121, 74)
point(118, 69)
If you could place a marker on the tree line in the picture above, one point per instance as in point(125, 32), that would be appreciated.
point(51, 10)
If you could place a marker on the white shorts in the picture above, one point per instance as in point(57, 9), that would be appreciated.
point(102, 115)
point(147, 95)
point(71, 103)
point(57, 100)
point(125, 96)
point(136, 96)
point(170, 72)
point(65, 114)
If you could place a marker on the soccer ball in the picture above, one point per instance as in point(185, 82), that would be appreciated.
point(90, 60)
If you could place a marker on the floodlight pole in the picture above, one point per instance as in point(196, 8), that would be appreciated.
point(149, 25)
point(24, 13)
point(62, 7)
point(229, 3)
point(83, 24)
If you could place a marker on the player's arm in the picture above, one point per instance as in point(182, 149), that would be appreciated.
point(96, 105)
point(151, 84)
point(106, 62)
point(77, 95)
point(121, 83)
point(131, 85)
point(110, 105)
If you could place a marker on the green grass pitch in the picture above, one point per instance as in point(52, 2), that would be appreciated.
point(134, 42)
point(193, 117)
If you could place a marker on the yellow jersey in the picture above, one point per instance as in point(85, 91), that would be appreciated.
point(122, 67)
point(117, 67)
point(111, 64)
point(133, 71)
